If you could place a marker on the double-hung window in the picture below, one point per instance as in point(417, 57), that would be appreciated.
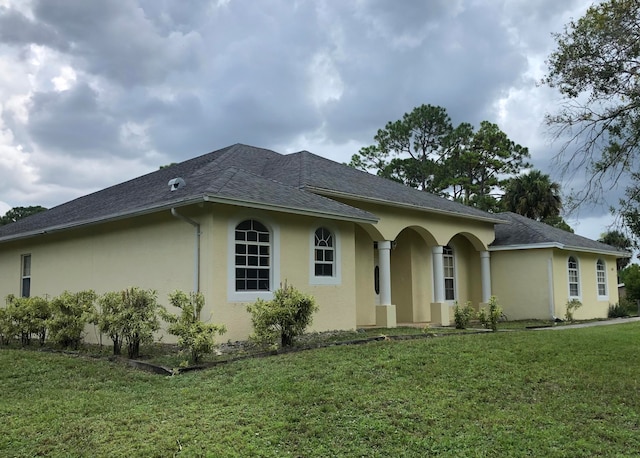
point(601, 278)
point(25, 275)
point(449, 273)
point(574, 277)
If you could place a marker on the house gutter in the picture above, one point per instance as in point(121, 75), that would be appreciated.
point(196, 255)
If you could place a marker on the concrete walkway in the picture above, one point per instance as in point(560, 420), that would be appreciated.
point(589, 324)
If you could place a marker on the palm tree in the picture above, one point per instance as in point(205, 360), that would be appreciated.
point(620, 241)
point(533, 195)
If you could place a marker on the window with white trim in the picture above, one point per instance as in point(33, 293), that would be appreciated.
point(574, 277)
point(449, 273)
point(252, 256)
point(324, 253)
point(601, 277)
point(25, 275)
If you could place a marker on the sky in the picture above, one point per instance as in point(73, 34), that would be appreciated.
point(93, 93)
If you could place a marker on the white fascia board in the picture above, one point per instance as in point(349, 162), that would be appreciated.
point(182, 203)
point(327, 192)
point(560, 246)
point(104, 219)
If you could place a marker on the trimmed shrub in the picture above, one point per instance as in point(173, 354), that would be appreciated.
point(70, 312)
point(139, 318)
point(26, 316)
point(462, 315)
point(490, 318)
point(194, 336)
point(111, 319)
point(285, 317)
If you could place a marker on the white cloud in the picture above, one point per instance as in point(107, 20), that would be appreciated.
point(93, 93)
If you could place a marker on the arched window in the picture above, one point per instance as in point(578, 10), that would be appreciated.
point(601, 277)
point(324, 253)
point(574, 277)
point(449, 273)
point(252, 256)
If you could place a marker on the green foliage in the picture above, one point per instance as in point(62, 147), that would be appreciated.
point(111, 318)
point(620, 310)
point(424, 150)
point(620, 241)
point(24, 317)
point(70, 312)
point(139, 318)
point(195, 336)
point(285, 317)
point(630, 276)
point(533, 195)
point(595, 68)
point(490, 318)
point(18, 213)
point(462, 315)
point(571, 307)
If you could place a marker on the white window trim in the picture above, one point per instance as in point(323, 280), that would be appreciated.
point(336, 279)
point(606, 285)
point(579, 296)
point(274, 280)
point(23, 276)
point(451, 302)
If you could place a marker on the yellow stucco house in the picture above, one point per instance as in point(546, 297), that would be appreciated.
point(237, 222)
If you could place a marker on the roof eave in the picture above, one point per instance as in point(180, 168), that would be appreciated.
point(287, 209)
point(182, 203)
point(331, 193)
point(105, 219)
point(560, 246)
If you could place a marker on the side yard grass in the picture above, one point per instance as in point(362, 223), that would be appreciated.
point(570, 393)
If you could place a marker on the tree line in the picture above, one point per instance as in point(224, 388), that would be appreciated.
point(482, 168)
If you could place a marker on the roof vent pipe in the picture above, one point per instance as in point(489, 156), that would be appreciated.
point(176, 183)
point(196, 256)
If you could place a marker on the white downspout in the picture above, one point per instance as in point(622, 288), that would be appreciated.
point(551, 286)
point(196, 266)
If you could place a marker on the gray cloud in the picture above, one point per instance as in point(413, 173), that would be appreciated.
point(157, 81)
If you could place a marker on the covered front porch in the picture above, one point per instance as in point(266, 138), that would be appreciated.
point(415, 279)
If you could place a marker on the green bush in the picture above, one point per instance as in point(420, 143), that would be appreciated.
point(285, 317)
point(26, 316)
point(195, 336)
point(462, 315)
point(139, 318)
point(70, 312)
point(572, 306)
point(490, 318)
point(622, 309)
point(7, 329)
point(111, 319)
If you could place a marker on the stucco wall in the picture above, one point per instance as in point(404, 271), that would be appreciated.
point(534, 283)
point(364, 267)
point(157, 252)
point(520, 281)
point(593, 306)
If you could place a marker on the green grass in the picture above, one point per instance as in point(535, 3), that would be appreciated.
point(570, 393)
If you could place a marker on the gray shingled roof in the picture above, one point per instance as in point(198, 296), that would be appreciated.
point(524, 232)
point(243, 175)
point(233, 174)
point(321, 175)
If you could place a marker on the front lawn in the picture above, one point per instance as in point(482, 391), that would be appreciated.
point(569, 393)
